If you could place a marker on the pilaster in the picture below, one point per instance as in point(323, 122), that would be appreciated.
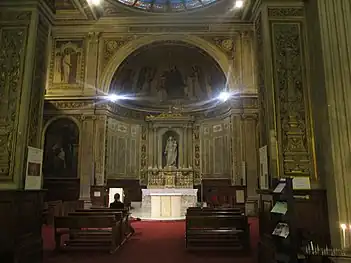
point(99, 149)
point(87, 157)
point(24, 40)
point(91, 63)
point(284, 89)
point(249, 153)
point(331, 105)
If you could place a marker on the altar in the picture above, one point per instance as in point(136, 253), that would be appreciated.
point(168, 204)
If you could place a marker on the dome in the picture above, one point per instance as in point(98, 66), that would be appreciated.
point(167, 5)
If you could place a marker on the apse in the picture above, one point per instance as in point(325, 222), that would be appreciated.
point(165, 74)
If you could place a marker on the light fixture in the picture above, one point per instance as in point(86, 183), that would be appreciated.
point(112, 97)
point(343, 226)
point(224, 96)
point(95, 2)
point(239, 3)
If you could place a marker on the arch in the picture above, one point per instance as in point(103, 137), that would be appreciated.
point(53, 119)
point(126, 50)
point(61, 144)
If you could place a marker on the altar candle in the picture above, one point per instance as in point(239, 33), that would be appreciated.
point(343, 228)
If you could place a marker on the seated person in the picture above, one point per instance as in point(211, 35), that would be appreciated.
point(117, 204)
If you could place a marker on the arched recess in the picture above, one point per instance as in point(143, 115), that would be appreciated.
point(61, 143)
point(123, 52)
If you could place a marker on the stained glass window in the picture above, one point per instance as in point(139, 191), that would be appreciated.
point(167, 5)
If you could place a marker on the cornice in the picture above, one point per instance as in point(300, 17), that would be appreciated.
point(144, 26)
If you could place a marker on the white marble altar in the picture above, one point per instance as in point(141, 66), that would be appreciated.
point(167, 203)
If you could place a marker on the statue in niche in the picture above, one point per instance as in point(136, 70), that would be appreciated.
point(66, 66)
point(171, 152)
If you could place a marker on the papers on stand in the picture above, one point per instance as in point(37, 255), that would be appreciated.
point(281, 230)
point(280, 187)
point(280, 208)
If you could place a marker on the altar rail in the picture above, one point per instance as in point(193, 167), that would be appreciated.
point(170, 179)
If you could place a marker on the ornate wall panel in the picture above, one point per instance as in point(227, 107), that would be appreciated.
point(143, 155)
point(285, 106)
point(197, 155)
point(291, 99)
point(215, 149)
point(122, 152)
point(13, 42)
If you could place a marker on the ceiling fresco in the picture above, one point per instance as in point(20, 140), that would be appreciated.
point(163, 74)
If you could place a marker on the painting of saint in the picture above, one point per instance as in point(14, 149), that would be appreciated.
point(67, 63)
point(61, 149)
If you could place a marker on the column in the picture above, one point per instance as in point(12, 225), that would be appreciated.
point(249, 153)
point(331, 101)
point(23, 62)
point(236, 149)
point(248, 63)
point(91, 63)
point(86, 157)
point(284, 89)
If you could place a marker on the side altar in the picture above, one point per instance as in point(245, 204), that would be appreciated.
point(170, 174)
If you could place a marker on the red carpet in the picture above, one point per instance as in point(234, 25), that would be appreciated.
point(154, 242)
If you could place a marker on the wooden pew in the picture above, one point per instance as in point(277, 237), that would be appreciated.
point(127, 229)
point(217, 229)
point(89, 232)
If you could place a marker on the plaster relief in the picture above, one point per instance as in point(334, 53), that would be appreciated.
point(12, 44)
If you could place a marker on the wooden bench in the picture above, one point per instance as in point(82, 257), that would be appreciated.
point(89, 232)
point(217, 229)
point(127, 229)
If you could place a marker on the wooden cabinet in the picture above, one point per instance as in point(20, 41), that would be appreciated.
point(20, 226)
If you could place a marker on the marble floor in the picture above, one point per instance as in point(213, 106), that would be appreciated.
point(145, 213)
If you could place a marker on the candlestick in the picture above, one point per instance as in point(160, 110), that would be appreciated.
point(343, 228)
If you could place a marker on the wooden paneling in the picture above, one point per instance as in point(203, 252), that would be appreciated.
point(99, 196)
point(64, 189)
point(20, 226)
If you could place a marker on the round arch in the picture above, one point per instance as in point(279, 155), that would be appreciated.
point(126, 50)
point(52, 120)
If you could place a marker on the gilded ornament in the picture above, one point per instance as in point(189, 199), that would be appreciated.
point(12, 46)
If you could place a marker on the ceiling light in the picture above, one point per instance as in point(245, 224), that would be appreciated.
point(224, 96)
point(112, 97)
point(95, 2)
point(239, 3)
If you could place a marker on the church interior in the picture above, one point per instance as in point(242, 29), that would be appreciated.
point(223, 126)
